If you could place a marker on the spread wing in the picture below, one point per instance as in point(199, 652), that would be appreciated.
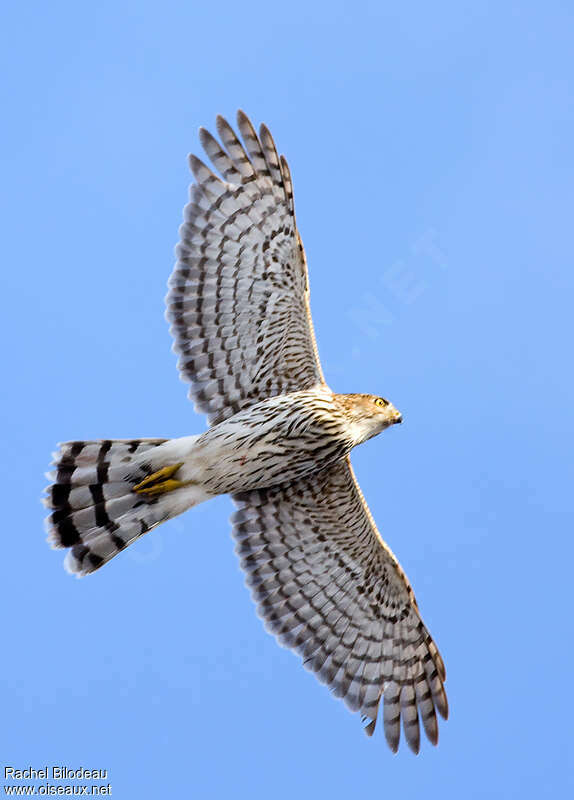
point(239, 297)
point(328, 587)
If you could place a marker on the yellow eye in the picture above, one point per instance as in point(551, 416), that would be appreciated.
point(380, 401)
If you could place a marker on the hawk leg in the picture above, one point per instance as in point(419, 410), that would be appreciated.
point(160, 482)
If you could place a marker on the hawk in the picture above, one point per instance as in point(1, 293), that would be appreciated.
point(278, 442)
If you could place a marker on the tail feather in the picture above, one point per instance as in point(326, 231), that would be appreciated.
point(94, 508)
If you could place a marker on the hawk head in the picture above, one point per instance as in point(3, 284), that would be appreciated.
point(367, 415)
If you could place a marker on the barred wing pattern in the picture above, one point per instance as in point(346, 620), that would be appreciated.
point(239, 298)
point(328, 587)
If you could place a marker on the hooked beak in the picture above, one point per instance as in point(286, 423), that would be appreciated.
point(397, 418)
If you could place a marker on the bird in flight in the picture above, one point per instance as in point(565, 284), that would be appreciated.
point(325, 582)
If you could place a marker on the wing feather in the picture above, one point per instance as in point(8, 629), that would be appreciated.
point(328, 587)
point(238, 300)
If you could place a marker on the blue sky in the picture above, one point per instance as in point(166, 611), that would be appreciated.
point(431, 150)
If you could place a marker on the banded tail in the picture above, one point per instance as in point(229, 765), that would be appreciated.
point(106, 494)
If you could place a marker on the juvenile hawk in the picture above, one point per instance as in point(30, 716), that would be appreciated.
point(324, 581)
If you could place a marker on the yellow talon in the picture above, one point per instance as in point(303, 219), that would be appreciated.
point(160, 488)
point(159, 482)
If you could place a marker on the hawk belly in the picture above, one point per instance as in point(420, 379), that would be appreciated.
point(272, 442)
